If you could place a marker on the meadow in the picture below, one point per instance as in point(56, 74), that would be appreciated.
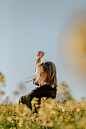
point(49, 114)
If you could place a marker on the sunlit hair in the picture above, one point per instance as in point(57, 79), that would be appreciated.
point(46, 74)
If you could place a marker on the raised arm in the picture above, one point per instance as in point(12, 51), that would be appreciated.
point(40, 54)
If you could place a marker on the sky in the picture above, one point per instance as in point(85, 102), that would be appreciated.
point(26, 27)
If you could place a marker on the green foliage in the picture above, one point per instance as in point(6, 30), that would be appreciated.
point(50, 115)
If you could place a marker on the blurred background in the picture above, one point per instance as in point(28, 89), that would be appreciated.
point(57, 28)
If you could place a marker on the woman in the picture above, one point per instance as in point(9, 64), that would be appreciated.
point(45, 79)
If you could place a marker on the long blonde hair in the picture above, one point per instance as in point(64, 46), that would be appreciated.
point(46, 74)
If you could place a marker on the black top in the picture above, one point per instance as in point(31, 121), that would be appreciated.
point(38, 92)
point(43, 91)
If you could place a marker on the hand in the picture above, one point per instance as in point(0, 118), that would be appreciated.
point(40, 53)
